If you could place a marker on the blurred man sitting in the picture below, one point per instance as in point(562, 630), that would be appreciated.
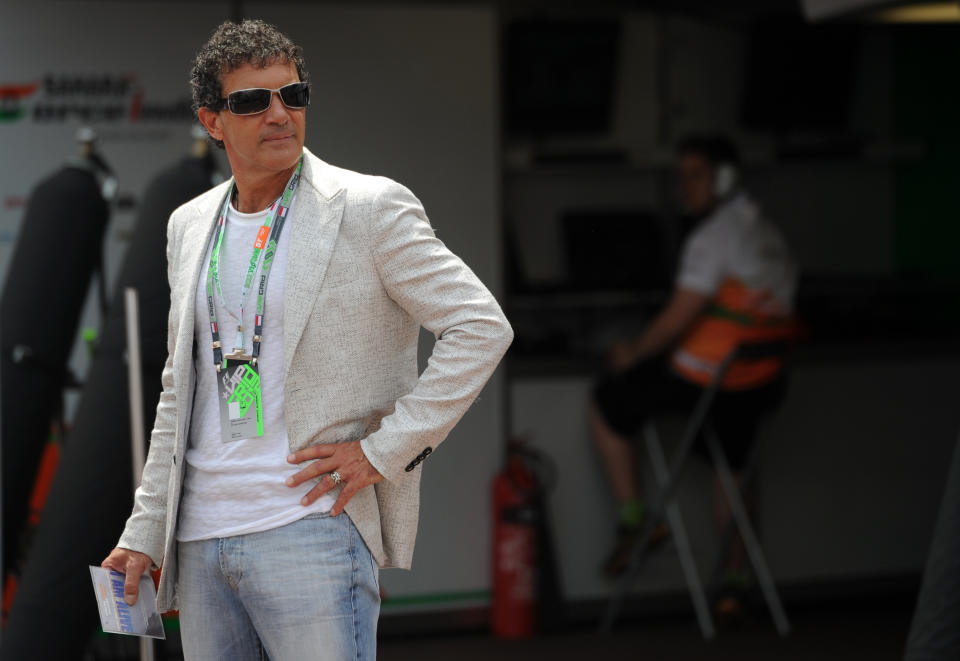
point(736, 282)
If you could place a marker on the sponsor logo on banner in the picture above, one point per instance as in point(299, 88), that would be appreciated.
point(101, 98)
point(12, 98)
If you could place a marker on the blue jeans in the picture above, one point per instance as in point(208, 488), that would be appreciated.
point(307, 590)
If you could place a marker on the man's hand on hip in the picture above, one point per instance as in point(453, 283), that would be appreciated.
point(131, 563)
point(346, 460)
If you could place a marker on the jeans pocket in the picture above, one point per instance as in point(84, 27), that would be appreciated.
point(374, 569)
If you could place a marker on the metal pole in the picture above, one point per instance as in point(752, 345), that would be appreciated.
point(135, 383)
point(135, 387)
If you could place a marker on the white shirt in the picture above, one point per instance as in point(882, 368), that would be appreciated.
point(736, 242)
point(236, 488)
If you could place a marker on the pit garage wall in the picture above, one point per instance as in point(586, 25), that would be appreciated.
point(406, 93)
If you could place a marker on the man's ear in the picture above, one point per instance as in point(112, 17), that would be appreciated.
point(211, 122)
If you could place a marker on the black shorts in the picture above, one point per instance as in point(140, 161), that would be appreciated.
point(627, 399)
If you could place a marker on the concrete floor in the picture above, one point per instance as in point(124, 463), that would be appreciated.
point(865, 631)
point(817, 635)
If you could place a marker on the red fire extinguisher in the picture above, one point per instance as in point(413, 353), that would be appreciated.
point(515, 547)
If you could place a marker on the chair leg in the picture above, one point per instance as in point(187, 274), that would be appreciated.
point(752, 545)
point(679, 532)
point(728, 535)
point(658, 506)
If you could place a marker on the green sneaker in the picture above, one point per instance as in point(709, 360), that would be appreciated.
point(627, 538)
point(729, 607)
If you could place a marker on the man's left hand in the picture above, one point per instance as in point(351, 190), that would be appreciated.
point(347, 459)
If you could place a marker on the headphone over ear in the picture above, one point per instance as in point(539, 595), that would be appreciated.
point(725, 179)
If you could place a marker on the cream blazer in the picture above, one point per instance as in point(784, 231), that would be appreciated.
point(365, 271)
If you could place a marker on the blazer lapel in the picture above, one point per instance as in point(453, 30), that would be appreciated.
point(193, 250)
point(315, 223)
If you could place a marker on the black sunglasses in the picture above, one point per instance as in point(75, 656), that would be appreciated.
point(257, 99)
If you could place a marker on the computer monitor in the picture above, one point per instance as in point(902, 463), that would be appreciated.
point(615, 250)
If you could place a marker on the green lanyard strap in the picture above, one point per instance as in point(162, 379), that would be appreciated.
point(263, 249)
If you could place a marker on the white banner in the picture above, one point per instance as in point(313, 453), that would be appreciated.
point(122, 69)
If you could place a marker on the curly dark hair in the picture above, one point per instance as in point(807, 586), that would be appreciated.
point(233, 45)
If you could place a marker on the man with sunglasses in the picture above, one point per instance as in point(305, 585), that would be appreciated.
point(291, 395)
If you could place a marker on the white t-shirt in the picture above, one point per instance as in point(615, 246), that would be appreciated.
point(736, 242)
point(235, 488)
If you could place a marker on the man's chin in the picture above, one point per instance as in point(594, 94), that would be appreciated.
point(281, 153)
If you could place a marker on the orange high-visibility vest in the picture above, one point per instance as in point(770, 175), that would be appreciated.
point(736, 314)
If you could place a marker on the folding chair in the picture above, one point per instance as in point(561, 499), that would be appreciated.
point(664, 504)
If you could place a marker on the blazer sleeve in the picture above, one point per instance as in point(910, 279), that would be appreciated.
point(145, 529)
point(444, 296)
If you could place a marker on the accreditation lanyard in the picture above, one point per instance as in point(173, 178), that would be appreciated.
point(273, 226)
